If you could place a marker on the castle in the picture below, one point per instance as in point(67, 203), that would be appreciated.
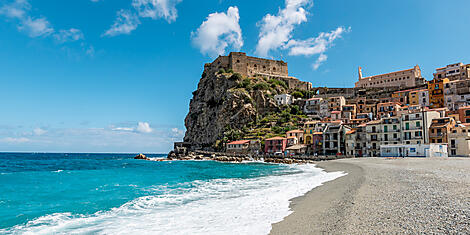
point(249, 66)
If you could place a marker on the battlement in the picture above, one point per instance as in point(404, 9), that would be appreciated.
point(248, 66)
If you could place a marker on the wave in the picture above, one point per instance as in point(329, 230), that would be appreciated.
point(220, 206)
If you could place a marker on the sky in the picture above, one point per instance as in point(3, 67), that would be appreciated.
point(117, 75)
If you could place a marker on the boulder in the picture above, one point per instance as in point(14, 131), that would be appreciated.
point(141, 157)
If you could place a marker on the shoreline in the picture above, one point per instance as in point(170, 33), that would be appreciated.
point(427, 195)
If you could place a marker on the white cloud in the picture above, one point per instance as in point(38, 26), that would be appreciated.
point(157, 9)
point(322, 58)
point(125, 23)
point(219, 31)
point(144, 127)
point(69, 35)
point(276, 33)
point(276, 30)
point(17, 9)
point(128, 20)
point(36, 27)
point(38, 131)
point(15, 140)
point(316, 45)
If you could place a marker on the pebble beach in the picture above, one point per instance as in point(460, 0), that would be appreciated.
point(386, 196)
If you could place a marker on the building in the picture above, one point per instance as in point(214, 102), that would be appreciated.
point(275, 145)
point(298, 134)
point(373, 131)
point(401, 97)
point(452, 72)
point(440, 129)
point(336, 103)
point(244, 146)
point(296, 150)
point(419, 97)
point(404, 78)
point(415, 125)
point(249, 66)
point(348, 112)
point(390, 131)
point(351, 142)
point(313, 136)
point(317, 107)
point(464, 114)
point(436, 92)
point(457, 94)
point(335, 115)
point(284, 99)
point(414, 150)
point(334, 138)
point(459, 141)
point(361, 140)
point(387, 109)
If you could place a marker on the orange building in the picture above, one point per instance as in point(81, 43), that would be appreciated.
point(464, 114)
point(440, 129)
point(436, 92)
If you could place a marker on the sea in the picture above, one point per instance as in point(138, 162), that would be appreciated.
point(77, 193)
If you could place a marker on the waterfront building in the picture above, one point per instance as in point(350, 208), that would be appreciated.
point(361, 140)
point(419, 97)
point(317, 107)
point(333, 138)
point(298, 134)
point(336, 103)
point(436, 92)
point(459, 140)
point(284, 99)
point(464, 114)
point(351, 143)
point(373, 131)
point(440, 129)
point(313, 136)
point(414, 150)
point(404, 78)
point(452, 72)
point(387, 109)
point(415, 125)
point(390, 131)
point(275, 145)
point(244, 146)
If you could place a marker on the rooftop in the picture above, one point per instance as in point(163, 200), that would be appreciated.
point(239, 142)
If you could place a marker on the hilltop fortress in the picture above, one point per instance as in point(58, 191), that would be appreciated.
point(249, 66)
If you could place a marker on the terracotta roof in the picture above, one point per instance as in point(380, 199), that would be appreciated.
point(240, 142)
point(295, 131)
point(374, 122)
point(336, 112)
point(363, 125)
point(276, 138)
point(297, 147)
point(318, 133)
point(350, 132)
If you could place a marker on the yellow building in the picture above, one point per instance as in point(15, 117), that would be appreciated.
point(309, 131)
point(436, 92)
point(419, 97)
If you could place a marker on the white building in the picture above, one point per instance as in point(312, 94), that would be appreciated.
point(414, 150)
point(317, 107)
point(284, 99)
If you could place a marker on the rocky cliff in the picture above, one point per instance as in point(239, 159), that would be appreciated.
point(225, 101)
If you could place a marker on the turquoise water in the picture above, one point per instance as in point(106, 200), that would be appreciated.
point(113, 193)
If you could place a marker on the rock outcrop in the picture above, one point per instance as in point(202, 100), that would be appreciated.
point(218, 104)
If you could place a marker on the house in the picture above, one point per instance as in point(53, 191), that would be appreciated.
point(296, 150)
point(336, 103)
point(335, 115)
point(284, 99)
point(373, 130)
point(275, 145)
point(436, 92)
point(388, 109)
point(333, 138)
point(415, 125)
point(390, 131)
point(419, 97)
point(317, 107)
point(459, 140)
point(244, 146)
point(440, 129)
point(464, 114)
point(351, 142)
point(348, 112)
point(291, 141)
point(414, 150)
point(298, 134)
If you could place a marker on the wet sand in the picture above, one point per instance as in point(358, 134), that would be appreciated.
point(404, 196)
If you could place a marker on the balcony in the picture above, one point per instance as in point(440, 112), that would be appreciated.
point(437, 135)
point(415, 128)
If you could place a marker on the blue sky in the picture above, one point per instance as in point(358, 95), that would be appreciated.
point(117, 75)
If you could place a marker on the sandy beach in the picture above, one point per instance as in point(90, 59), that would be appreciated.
point(390, 196)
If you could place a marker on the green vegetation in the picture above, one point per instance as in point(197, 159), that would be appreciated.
point(221, 71)
point(298, 94)
point(236, 76)
point(276, 83)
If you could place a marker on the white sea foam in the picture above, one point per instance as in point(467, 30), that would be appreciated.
point(222, 206)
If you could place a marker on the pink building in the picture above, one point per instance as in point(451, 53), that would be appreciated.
point(275, 144)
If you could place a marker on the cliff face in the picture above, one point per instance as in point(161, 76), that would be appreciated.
point(220, 103)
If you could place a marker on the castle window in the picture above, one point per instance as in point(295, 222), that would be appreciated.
point(238, 61)
point(255, 65)
point(274, 68)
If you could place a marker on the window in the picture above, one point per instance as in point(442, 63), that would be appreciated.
point(418, 124)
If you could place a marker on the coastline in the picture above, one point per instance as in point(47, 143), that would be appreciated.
point(411, 195)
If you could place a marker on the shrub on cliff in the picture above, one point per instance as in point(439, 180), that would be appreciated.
point(221, 71)
point(261, 86)
point(277, 83)
point(236, 77)
point(298, 94)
